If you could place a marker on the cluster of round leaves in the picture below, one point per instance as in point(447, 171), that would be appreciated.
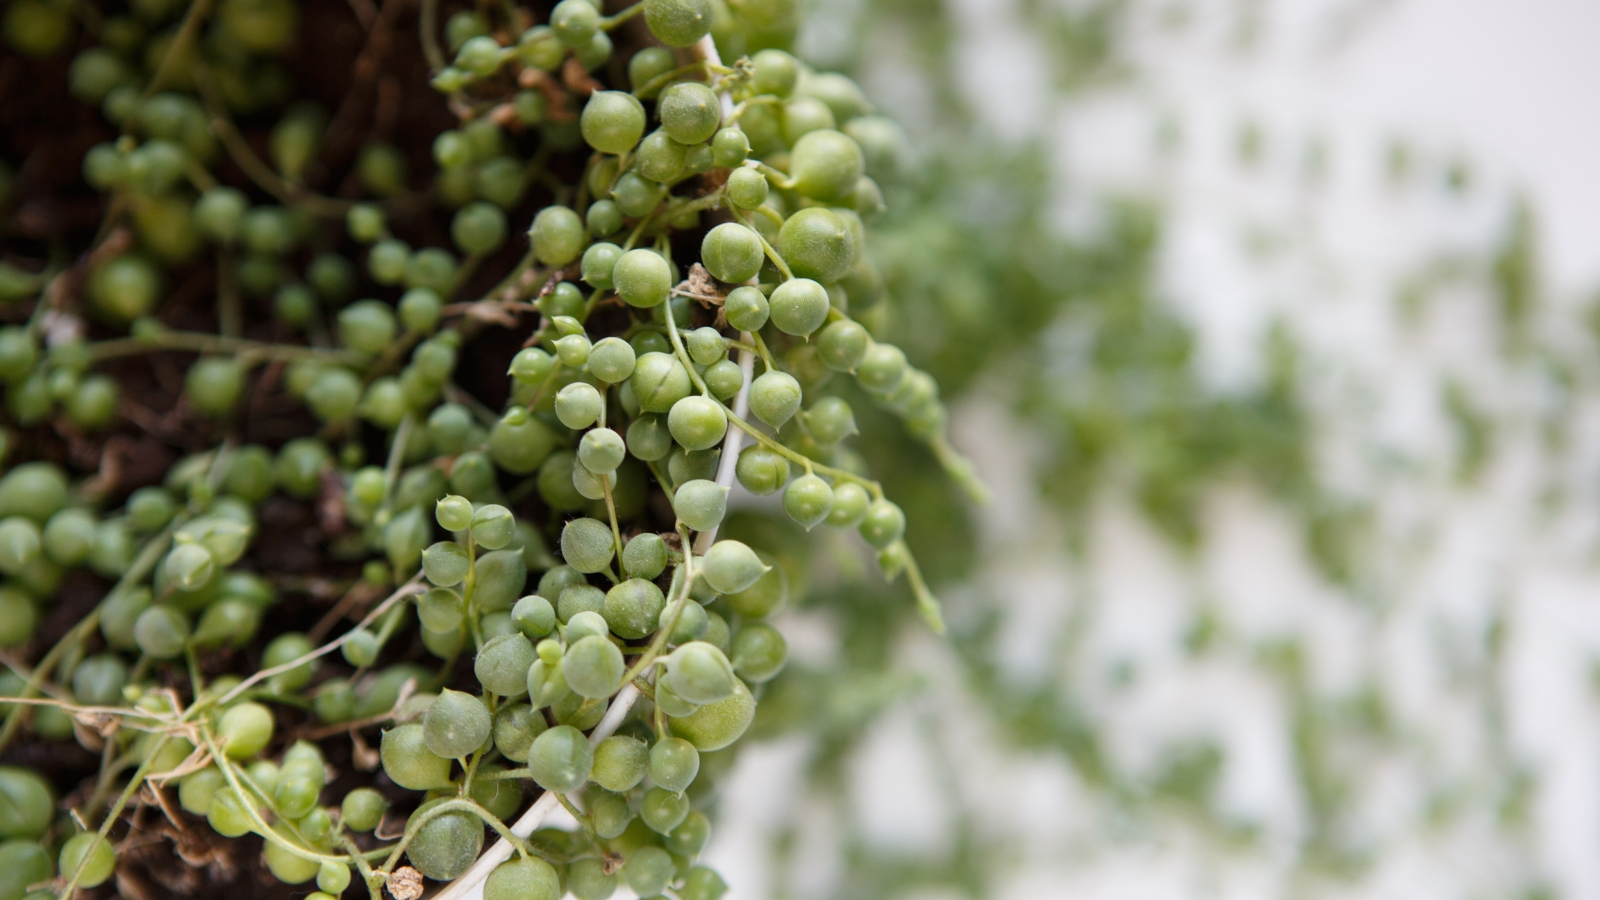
point(27, 823)
point(575, 29)
point(791, 278)
point(45, 532)
point(546, 669)
point(788, 163)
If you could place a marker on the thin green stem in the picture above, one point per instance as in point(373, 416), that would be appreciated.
point(507, 774)
point(391, 355)
point(594, 300)
point(658, 721)
point(468, 594)
point(610, 22)
point(772, 254)
point(779, 178)
point(761, 348)
point(633, 236)
point(611, 510)
point(141, 567)
point(400, 593)
point(662, 479)
point(266, 831)
point(108, 770)
point(116, 810)
point(712, 200)
point(449, 806)
point(623, 162)
point(770, 214)
point(180, 46)
point(527, 262)
point(677, 592)
point(927, 603)
point(200, 342)
point(545, 386)
point(372, 880)
point(486, 416)
point(683, 355)
point(386, 631)
point(759, 100)
point(196, 680)
point(397, 454)
point(959, 469)
point(469, 768)
point(463, 272)
point(428, 24)
point(666, 78)
point(578, 815)
point(199, 176)
point(252, 165)
point(800, 459)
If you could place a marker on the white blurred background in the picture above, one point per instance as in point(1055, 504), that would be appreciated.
point(1351, 169)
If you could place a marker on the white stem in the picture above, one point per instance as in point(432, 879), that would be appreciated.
point(734, 440)
point(707, 48)
point(469, 886)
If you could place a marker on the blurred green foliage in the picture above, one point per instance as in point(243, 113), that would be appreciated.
point(1072, 336)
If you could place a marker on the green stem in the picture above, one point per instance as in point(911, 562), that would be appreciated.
point(611, 510)
point(510, 280)
point(800, 459)
point(959, 469)
point(772, 254)
point(199, 176)
point(759, 100)
point(507, 774)
point(927, 603)
point(385, 631)
point(578, 816)
point(678, 591)
point(594, 300)
point(633, 237)
point(449, 806)
point(709, 201)
point(397, 453)
point(779, 178)
point(761, 348)
point(251, 164)
point(116, 810)
point(463, 272)
point(179, 48)
point(770, 214)
point(548, 380)
point(196, 681)
point(662, 479)
point(428, 24)
point(199, 342)
point(469, 768)
point(265, 830)
point(683, 355)
point(486, 416)
point(391, 355)
point(108, 770)
point(400, 593)
point(666, 78)
point(141, 567)
point(371, 878)
point(610, 22)
point(468, 598)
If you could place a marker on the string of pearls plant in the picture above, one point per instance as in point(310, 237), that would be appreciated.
point(205, 682)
